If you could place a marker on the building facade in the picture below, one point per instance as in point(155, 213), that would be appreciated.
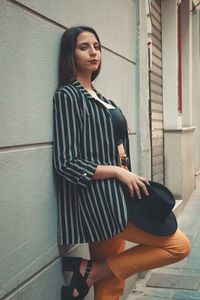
point(181, 96)
point(167, 151)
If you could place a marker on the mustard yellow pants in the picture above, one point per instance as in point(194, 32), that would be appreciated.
point(151, 252)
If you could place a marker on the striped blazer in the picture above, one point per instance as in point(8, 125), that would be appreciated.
point(88, 210)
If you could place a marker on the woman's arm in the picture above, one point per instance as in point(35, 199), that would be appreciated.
point(67, 132)
point(67, 135)
point(133, 181)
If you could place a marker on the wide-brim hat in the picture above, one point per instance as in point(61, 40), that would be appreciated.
point(153, 213)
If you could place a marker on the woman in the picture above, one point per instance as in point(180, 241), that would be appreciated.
point(91, 151)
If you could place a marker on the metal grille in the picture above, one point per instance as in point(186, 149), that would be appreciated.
point(156, 94)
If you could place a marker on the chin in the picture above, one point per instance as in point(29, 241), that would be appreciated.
point(95, 68)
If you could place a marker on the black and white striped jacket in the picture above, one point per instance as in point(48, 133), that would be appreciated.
point(88, 210)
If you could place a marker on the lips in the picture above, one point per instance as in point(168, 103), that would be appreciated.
point(93, 61)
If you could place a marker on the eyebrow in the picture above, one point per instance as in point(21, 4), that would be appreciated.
point(85, 43)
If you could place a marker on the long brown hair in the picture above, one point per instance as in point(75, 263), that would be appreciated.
point(67, 66)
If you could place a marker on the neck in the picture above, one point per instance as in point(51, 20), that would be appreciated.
point(85, 80)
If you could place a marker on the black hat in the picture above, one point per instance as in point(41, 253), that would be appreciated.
point(153, 213)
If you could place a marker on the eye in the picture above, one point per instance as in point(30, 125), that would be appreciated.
point(83, 48)
point(97, 47)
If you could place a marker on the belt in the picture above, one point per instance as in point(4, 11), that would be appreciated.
point(124, 160)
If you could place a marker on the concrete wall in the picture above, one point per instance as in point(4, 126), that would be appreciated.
point(142, 160)
point(170, 64)
point(179, 167)
point(196, 85)
point(30, 265)
point(186, 40)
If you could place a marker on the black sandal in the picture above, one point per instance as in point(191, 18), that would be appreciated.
point(78, 281)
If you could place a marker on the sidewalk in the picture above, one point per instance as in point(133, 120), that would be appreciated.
point(180, 281)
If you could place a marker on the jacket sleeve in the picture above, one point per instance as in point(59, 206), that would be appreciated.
point(67, 135)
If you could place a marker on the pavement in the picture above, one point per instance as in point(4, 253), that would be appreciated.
point(179, 281)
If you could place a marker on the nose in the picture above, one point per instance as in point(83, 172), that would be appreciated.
point(93, 51)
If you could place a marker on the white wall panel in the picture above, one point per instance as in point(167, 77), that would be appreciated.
point(28, 220)
point(28, 62)
point(45, 285)
point(27, 98)
point(114, 20)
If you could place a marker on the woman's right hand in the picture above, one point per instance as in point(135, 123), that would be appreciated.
point(133, 181)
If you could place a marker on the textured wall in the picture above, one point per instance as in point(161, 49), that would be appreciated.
point(29, 41)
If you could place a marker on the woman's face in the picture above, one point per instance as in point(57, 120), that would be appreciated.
point(87, 53)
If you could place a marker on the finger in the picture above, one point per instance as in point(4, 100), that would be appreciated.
point(143, 187)
point(147, 182)
point(137, 190)
point(131, 189)
point(144, 180)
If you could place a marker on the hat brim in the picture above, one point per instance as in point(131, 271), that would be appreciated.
point(144, 219)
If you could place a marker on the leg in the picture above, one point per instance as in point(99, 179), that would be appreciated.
point(113, 264)
point(112, 288)
point(152, 252)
